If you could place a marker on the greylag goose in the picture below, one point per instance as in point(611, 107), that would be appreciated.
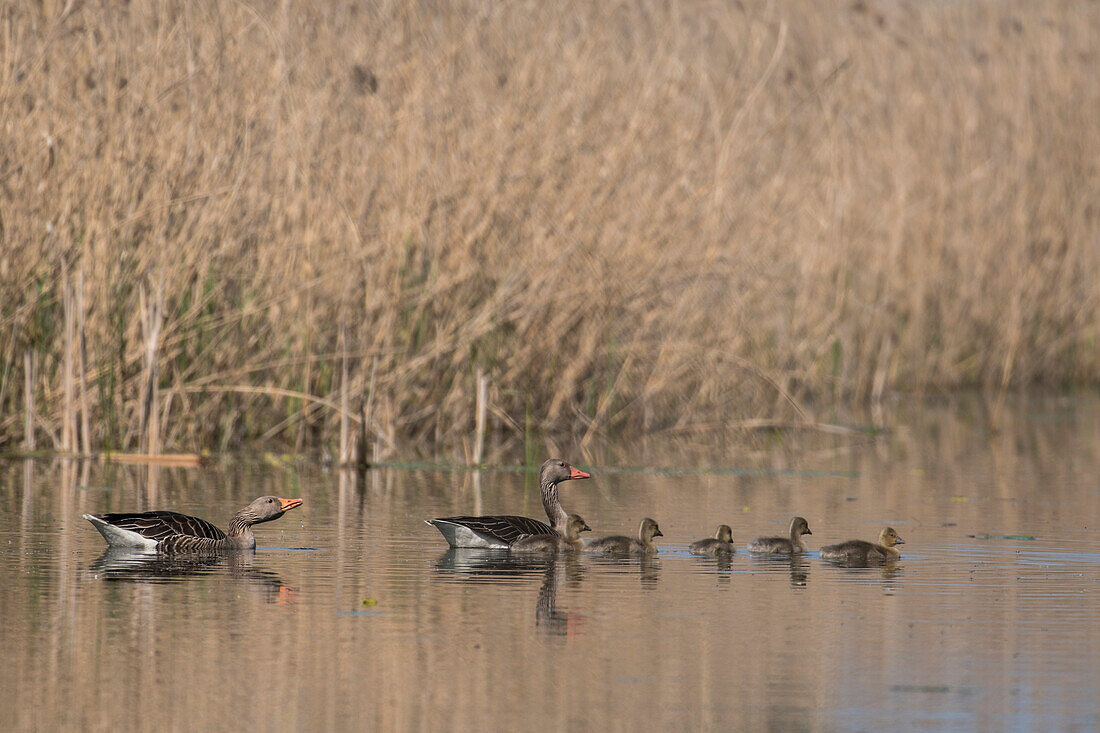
point(721, 543)
point(171, 532)
point(791, 545)
point(568, 542)
point(618, 545)
point(502, 530)
point(859, 552)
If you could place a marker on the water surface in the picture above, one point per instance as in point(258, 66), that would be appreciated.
point(352, 613)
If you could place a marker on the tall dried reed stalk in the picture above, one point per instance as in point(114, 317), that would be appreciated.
point(481, 413)
point(345, 412)
point(635, 216)
point(68, 417)
point(82, 369)
point(28, 400)
point(152, 309)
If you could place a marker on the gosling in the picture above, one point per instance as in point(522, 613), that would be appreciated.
point(720, 544)
point(783, 545)
point(859, 552)
point(618, 545)
point(569, 542)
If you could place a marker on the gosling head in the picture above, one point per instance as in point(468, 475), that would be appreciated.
point(575, 526)
point(724, 533)
point(888, 538)
point(799, 527)
point(649, 530)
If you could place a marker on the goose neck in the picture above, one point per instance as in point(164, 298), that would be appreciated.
point(554, 511)
point(240, 532)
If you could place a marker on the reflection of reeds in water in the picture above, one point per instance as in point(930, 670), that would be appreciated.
point(641, 227)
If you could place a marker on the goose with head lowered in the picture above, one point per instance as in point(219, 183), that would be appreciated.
point(502, 530)
point(171, 532)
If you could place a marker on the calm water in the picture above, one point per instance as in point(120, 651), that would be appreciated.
point(352, 614)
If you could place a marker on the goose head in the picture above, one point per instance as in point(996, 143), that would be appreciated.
point(556, 470)
point(267, 508)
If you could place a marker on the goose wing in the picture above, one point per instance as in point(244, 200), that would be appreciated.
point(506, 528)
point(161, 525)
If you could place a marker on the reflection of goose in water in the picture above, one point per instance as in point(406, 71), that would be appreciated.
point(127, 565)
point(487, 565)
point(648, 565)
point(471, 565)
point(547, 615)
point(796, 566)
point(709, 562)
point(799, 571)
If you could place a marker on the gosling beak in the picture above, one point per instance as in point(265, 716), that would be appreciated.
point(658, 533)
point(808, 531)
point(288, 504)
point(586, 528)
point(899, 541)
point(576, 473)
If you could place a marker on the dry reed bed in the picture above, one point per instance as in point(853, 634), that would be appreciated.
point(629, 216)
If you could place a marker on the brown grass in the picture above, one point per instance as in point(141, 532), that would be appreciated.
point(631, 216)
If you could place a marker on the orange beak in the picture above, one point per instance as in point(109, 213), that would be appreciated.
point(574, 473)
point(288, 504)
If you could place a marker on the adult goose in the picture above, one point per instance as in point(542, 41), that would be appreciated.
point(860, 552)
point(790, 545)
point(171, 532)
point(502, 530)
point(721, 543)
point(619, 545)
point(569, 542)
